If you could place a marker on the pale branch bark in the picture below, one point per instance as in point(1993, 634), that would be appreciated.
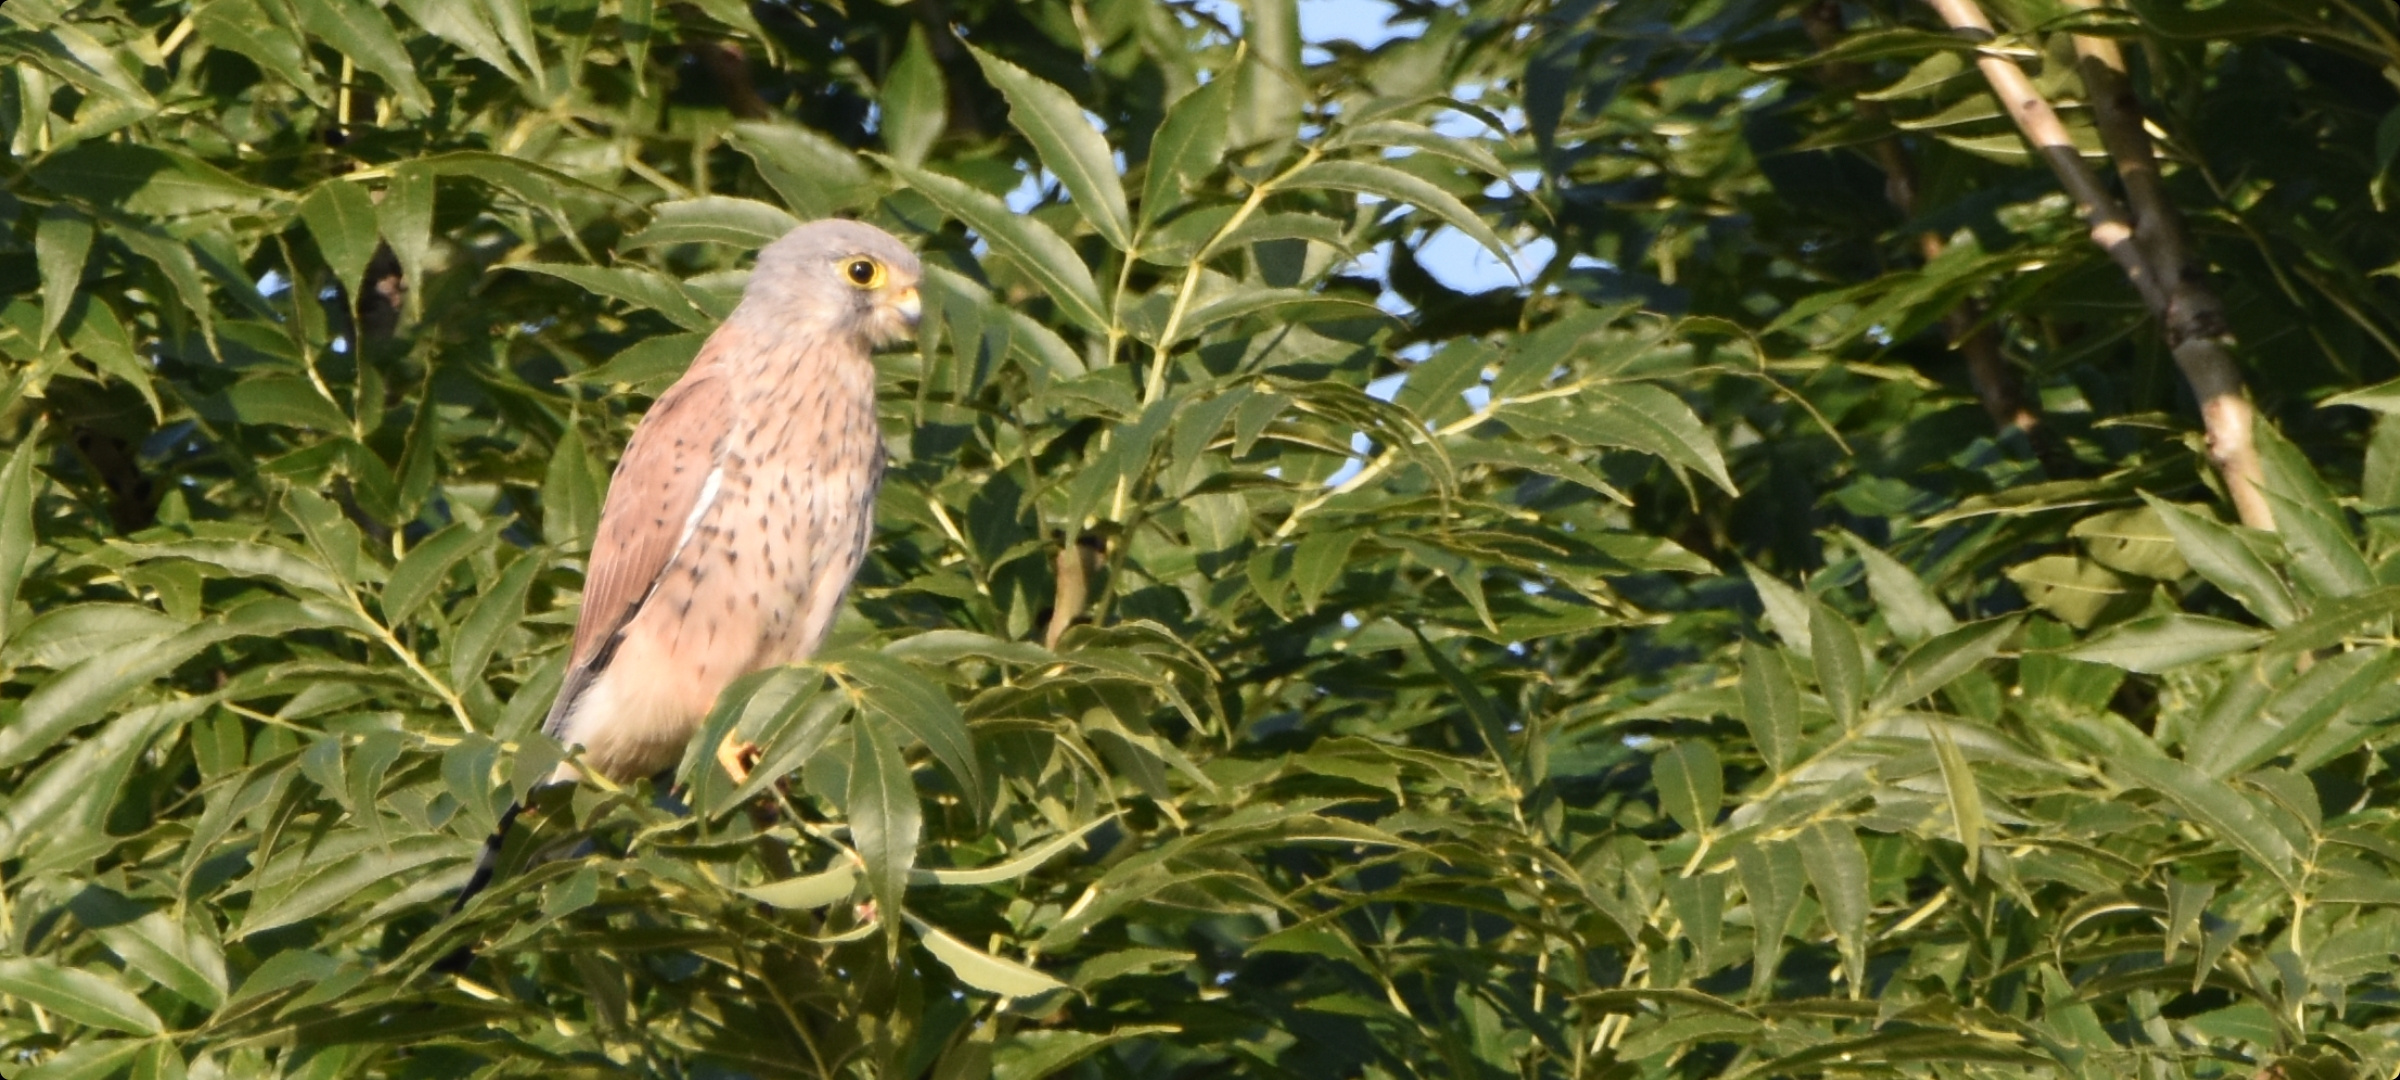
point(2188, 311)
point(2194, 318)
point(1996, 386)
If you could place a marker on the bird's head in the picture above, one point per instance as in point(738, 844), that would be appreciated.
point(848, 277)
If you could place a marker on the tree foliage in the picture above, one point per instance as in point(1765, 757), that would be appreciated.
point(1273, 659)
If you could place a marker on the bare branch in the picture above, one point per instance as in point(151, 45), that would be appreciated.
point(2154, 259)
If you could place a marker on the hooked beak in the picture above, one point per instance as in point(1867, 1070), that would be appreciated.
point(908, 305)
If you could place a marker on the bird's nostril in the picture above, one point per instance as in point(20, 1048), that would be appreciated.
point(908, 305)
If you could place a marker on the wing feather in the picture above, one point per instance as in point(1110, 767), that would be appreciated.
point(653, 499)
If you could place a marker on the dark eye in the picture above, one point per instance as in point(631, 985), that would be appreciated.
point(864, 273)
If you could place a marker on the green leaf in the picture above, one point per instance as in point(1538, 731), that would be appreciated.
point(570, 493)
point(2165, 642)
point(809, 891)
point(2219, 555)
point(713, 219)
point(981, 970)
point(93, 1059)
point(881, 803)
point(1841, 663)
point(1385, 182)
point(1787, 610)
point(61, 243)
point(18, 482)
point(342, 219)
point(639, 286)
point(250, 559)
point(405, 218)
point(1189, 146)
point(1772, 875)
point(1770, 706)
point(84, 996)
point(1011, 869)
point(2132, 541)
point(311, 886)
point(647, 366)
point(1039, 252)
point(2243, 739)
point(1691, 784)
point(158, 946)
point(1837, 868)
point(2212, 803)
point(906, 698)
point(86, 692)
point(1959, 788)
point(1912, 610)
point(2079, 591)
point(916, 106)
point(816, 176)
point(422, 572)
point(1933, 665)
point(145, 180)
point(463, 25)
point(494, 613)
point(359, 31)
point(1070, 148)
point(1652, 420)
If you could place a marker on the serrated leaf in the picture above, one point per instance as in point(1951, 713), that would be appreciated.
point(807, 892)
point(86, 997)
point(145, 180)
point(341, 218)
point(1025, 241)
point(1837, 868)
point(1070, 148)
point(358, 30)
point(2219, 555)
point(1385, 182)
point(1841, 663)
point(1960, 790)
point(638, 286)
point(570, 493)
point(816, 176)
point(917, 706)
point(1908, 606)
point(1189, 145)
point(421, 573)
point(713, 219)
point(881, 803)
point(61, 243)
point(915, 103)
point(494, 613)
point(1010, 869)
point(2078, 591)
point(2211, 802)
point(1691, 784)
point(1770, 706)
point(18, 482)
point(2165, 642)
point(1934, 664)
point(981, 970)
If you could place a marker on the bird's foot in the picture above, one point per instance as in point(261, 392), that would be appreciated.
point(738, 758)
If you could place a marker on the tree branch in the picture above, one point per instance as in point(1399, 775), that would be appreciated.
point(1997, 387)
point(2154, 262)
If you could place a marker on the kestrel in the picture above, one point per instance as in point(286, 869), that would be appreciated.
point(741, 509)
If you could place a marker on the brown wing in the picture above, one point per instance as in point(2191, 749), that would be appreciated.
point(658, 484)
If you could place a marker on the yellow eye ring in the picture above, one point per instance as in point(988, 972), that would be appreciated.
point(863, 272)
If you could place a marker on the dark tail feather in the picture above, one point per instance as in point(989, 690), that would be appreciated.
point(487, 865)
